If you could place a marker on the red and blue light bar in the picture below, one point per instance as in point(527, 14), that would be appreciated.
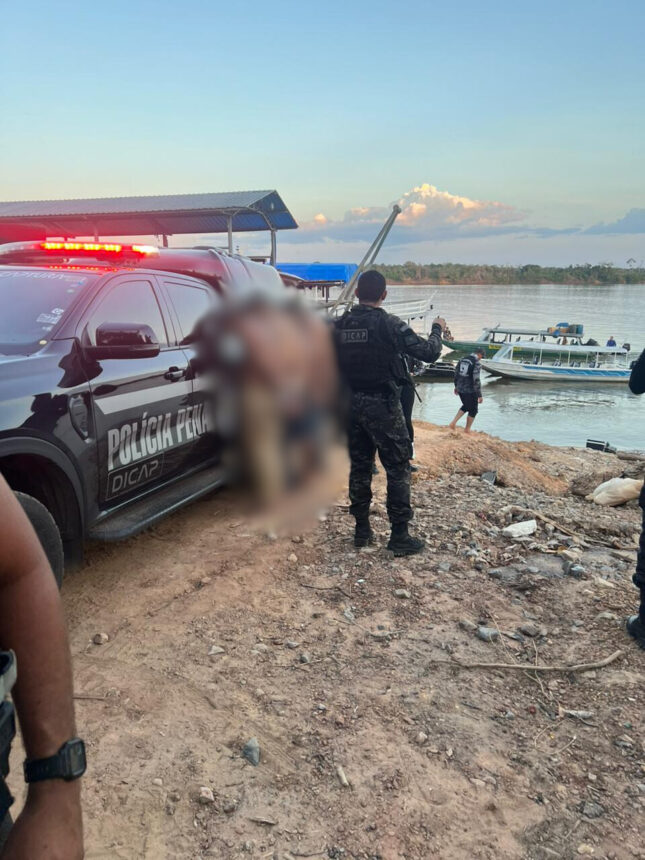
point(43, 251)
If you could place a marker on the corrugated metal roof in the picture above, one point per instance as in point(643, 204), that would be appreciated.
point(140, 216)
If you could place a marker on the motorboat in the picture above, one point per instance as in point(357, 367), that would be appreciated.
point(571, 363)
point(494, 338)
point(439, 370)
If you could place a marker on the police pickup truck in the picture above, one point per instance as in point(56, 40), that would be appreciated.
point(104, 425)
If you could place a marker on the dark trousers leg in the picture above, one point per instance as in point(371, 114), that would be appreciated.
point(361, 454)
point(386, 426)
point(407, 404)
point(399, 509)
point(5, 827)
point(639, 575)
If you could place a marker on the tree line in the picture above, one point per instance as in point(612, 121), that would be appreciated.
point(462, 273)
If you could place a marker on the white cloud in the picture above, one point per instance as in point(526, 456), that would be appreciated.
point(426, 204)
point(439, 225)
point(426, 213)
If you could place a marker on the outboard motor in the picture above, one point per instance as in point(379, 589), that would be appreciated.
point(627, 347)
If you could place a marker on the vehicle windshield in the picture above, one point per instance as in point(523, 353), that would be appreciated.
point(33, 303)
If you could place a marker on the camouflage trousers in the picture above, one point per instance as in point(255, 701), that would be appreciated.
point(639, 576)
point(376, 423)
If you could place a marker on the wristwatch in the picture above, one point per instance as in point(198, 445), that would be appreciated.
point(68, 764)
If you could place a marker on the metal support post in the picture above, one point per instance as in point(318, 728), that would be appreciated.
point(346, 296)
point(273, 248)
point(164, 240)
point(229, 224)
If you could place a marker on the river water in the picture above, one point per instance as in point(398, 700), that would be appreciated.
point(556, 414)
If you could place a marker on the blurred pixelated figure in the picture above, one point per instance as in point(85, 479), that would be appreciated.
point(271, 366)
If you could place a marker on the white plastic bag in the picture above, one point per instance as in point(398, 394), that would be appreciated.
point(616, 491)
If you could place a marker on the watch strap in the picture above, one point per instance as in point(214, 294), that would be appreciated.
point(43, 768)
point(58, 766)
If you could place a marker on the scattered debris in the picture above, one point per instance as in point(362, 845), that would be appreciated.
point(206, 795)
point(488, 634)
point(529, 628)
point(341, 776)
point(591, 809)
point(251, 751)
point(579, 667)
point(522, 529)
point(577, 715)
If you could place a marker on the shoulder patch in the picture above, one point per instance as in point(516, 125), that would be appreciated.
point(354, 335)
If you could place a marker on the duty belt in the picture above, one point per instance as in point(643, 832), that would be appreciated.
point(7, 725)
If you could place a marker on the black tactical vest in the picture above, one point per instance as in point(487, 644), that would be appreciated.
point(366, 350)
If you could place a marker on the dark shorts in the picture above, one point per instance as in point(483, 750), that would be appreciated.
point(469, 404)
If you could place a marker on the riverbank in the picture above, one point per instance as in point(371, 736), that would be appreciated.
point(447, 274)
point(350, 668)
point(428, 282)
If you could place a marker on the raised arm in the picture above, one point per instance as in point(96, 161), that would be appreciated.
point(32, 625)
point(410, 343)
point(637, 378)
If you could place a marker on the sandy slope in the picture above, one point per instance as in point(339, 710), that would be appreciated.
point(442, 762)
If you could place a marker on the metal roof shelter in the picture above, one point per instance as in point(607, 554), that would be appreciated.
point(163, 215)
point(317, 272)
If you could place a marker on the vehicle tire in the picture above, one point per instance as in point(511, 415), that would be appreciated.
point(48, 534)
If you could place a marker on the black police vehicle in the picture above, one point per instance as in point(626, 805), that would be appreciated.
point(104, 425)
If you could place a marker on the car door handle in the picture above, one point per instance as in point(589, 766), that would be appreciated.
point(174, 374)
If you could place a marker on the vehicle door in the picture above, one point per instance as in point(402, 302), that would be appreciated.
point(190, 300)
point(136, 401)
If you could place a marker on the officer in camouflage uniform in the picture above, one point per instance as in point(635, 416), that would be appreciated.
point(371, 344)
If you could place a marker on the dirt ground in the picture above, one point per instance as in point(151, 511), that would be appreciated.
point(344, 665)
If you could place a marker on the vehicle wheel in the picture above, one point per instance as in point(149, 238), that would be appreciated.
point(45, 527)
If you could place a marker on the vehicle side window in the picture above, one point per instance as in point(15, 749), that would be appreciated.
point(190, 303)
point(129, 302)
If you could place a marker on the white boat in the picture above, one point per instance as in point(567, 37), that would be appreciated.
point(529, 360)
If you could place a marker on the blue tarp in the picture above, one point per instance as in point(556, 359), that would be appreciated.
point(319, 271)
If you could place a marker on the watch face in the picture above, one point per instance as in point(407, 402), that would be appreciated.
point(75, 754)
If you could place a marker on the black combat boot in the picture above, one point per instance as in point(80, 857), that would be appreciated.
point(636, 628)
point(363, 534)
point(402, 543)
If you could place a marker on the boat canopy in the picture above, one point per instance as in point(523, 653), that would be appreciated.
point(559, 330)
point(499, 329)
point(537, 346)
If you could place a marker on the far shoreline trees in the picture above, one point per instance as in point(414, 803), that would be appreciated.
point(441, 274)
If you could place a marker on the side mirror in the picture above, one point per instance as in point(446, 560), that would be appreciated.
point(123, 340)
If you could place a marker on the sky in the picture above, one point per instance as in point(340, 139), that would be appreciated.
point(510, 132)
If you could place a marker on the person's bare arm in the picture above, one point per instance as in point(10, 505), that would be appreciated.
point(32, 625)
